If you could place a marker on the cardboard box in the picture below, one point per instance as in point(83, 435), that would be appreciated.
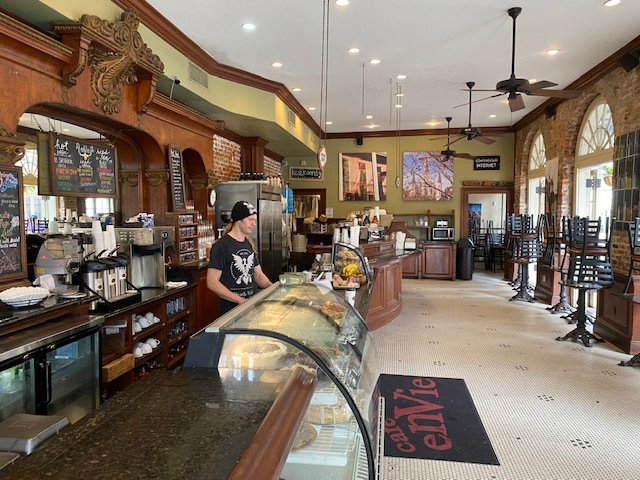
point(118, 367)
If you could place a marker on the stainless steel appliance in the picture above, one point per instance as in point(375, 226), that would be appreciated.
point(147, 249)
point(52, 377)
point(267, 235)
point(60, 256)
point(442, 233)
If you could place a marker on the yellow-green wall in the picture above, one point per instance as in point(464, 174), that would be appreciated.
point(463, 170)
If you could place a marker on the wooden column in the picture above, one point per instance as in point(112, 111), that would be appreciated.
point(253, 154)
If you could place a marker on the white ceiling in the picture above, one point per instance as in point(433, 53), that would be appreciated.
point(439, 45)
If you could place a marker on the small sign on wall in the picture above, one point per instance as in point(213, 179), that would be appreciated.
point(305, 173)
point(490, 162)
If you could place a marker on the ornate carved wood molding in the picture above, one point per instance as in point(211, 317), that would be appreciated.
point(157, 177)
point(11, 148)
point(116, 56)
point(131, 178)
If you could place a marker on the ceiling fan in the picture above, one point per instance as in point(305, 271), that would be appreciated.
point(515, 87)
point(451, 153)
point(469, 132)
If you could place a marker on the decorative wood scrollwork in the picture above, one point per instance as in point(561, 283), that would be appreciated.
point(130, 178)
point(11, 148)
point(198, 183)
point(113, 51)
point(487, 183)
point(212, 179)
point(155, 178)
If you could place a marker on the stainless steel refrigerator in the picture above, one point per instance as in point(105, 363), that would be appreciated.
point(268, 233)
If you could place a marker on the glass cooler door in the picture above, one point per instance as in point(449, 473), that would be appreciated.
point(17, 388)
point(313, 327)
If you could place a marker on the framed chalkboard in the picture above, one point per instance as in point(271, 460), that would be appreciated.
point(305, 173)
point(81, 168)
point(177, 178)
point(13, 264)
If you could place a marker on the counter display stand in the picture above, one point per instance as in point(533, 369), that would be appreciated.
point(261, 342)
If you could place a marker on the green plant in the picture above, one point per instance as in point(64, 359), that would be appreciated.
point(607, 169)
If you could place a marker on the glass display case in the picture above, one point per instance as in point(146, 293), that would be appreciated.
point(257, 345)
point(347, 256)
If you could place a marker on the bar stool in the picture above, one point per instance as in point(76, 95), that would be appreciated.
point(526, 248)
point(496, 246)
point(634, 249)
point(558, 265)
point(589, 269)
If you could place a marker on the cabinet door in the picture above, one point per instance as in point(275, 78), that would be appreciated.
point(438, 261)
point(411, 266)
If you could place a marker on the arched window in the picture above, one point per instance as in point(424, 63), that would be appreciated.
point(594, 162)
point(536, 187)
point(35, 206)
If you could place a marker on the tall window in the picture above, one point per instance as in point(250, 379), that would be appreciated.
point(35, 206)
point(594, 162)
point(537, 162)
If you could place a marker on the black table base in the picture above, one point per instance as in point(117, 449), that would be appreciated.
point(523, 290)
point(633, 362)
point(562, 306)
point(580, 333)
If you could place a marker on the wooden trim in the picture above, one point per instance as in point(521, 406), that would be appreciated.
point(267, 452)
point(487, 131)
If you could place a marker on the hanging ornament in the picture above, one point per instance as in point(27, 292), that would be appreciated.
point(322, 157)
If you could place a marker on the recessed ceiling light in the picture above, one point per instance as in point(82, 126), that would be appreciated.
point(611, 3)
point(375, 61)
point(329, 123)
point(434, 123)
point(312, 108)
point(248, 26)
point(399, 105)
point(401, 77)
point(354, 50)
point(371, 125)
point(369, 117)
point(552, 51)
point(342, 3)
point(276, 64)
point(399, 94)
point(296, 89)
point(493, 115)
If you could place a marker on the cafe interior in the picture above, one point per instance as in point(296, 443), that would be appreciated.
point(126, 139)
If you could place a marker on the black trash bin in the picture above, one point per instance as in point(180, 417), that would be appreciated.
point(464, 259)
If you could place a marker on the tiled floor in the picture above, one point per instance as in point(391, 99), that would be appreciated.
point(552, 410)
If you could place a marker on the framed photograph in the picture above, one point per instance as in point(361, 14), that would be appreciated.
point(427, 176)
point(364, 176)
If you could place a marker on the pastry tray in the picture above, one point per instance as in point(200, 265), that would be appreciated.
point(24, 432)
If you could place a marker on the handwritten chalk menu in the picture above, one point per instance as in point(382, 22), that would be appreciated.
point(306, 173)
point(81, 168)
point(177, 178)
point(12, 250)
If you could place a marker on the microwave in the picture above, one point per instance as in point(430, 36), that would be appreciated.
point(442, 233)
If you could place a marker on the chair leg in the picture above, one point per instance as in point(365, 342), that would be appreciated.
point(580, 333)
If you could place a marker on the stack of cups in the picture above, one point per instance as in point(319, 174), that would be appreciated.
point(53, 227)
point(110, 238)
point(98, 236)
point(355, 236)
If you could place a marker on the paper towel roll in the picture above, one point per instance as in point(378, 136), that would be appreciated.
point(355, 236)
point(299, 243)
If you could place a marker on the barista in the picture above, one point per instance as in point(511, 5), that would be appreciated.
point(234, 267)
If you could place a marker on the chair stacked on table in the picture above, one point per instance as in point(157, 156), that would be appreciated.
point(556, 246)
point(525, 247)
point(634, 266)
point(589, 268)
point(496, 246)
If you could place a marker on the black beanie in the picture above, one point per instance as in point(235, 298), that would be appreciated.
point(242, 210)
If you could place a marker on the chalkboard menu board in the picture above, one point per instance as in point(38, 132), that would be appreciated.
point(12, 246)
point(82, 169)
point(306, 173)
point(177, 178)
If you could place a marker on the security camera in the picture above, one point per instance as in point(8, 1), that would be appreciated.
point(176, 80)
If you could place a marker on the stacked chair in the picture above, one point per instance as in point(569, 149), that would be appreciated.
point(525, 247)
point(634, 266)
point(558, 251)
point(496, 246)
point(589, 252)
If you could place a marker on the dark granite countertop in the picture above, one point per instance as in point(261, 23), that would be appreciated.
point(169, 425)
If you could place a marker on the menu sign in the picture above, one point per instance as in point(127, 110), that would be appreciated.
point(306, 173)
point(12, 254)
point(177, 178)
point(82, 169)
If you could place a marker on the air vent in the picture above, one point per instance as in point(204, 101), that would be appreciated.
point(198, 75)
point(291, 117)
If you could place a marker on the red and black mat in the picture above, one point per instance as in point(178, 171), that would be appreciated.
point(433, 418)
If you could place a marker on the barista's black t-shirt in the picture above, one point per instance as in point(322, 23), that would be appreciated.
point(237, 261)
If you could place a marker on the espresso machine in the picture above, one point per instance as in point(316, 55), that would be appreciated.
point(147, 250)
point(60, 256)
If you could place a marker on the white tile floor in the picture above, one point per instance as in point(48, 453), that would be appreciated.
point(552, 410)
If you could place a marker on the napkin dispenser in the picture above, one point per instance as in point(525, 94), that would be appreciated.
point(410, 243)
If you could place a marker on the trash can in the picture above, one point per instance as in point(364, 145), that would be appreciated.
point(464, 259)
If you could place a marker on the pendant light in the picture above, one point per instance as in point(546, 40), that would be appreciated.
point(398, 129)
point(324, 77)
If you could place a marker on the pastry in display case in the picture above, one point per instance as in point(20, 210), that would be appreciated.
point(257, 345)
point(350, 268)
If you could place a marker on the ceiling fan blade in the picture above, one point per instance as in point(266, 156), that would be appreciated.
point(555, 93)
point(516, 102)
point(482, 99)
point(485, 140)
point(539, 85)
point(466, 156)
point(456, 140)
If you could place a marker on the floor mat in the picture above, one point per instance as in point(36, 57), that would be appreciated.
point(433, 418)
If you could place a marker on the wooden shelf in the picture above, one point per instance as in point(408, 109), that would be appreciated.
point(148, 331)
point(177, 339)
point(178, 358)
point(179, 315)
point(149, 356)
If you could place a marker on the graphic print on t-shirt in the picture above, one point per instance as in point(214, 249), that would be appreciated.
point(242, 266)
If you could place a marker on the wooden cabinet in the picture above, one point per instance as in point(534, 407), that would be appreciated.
point(411, 265)
point(377, 249)
point(207, 302)
point(439, 260)
point(618, 319)
point(170, 319)
point(386, 298)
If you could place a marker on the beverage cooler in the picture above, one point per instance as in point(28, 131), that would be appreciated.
point(267, 236)
point(60, 378)
point(257, 345)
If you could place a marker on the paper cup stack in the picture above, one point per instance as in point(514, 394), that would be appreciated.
point(110, 238)
point(98, 236)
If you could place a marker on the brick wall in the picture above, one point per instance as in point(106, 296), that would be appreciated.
point(226, 159)
point(621, 90)
point(272, 167)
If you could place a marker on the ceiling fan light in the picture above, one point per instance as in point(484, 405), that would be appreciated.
point(248, 26)
point(552, 51)
point(354, 50)
point(342, 3)
point(611, 3)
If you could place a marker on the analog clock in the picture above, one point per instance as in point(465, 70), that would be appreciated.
point(212, 198)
